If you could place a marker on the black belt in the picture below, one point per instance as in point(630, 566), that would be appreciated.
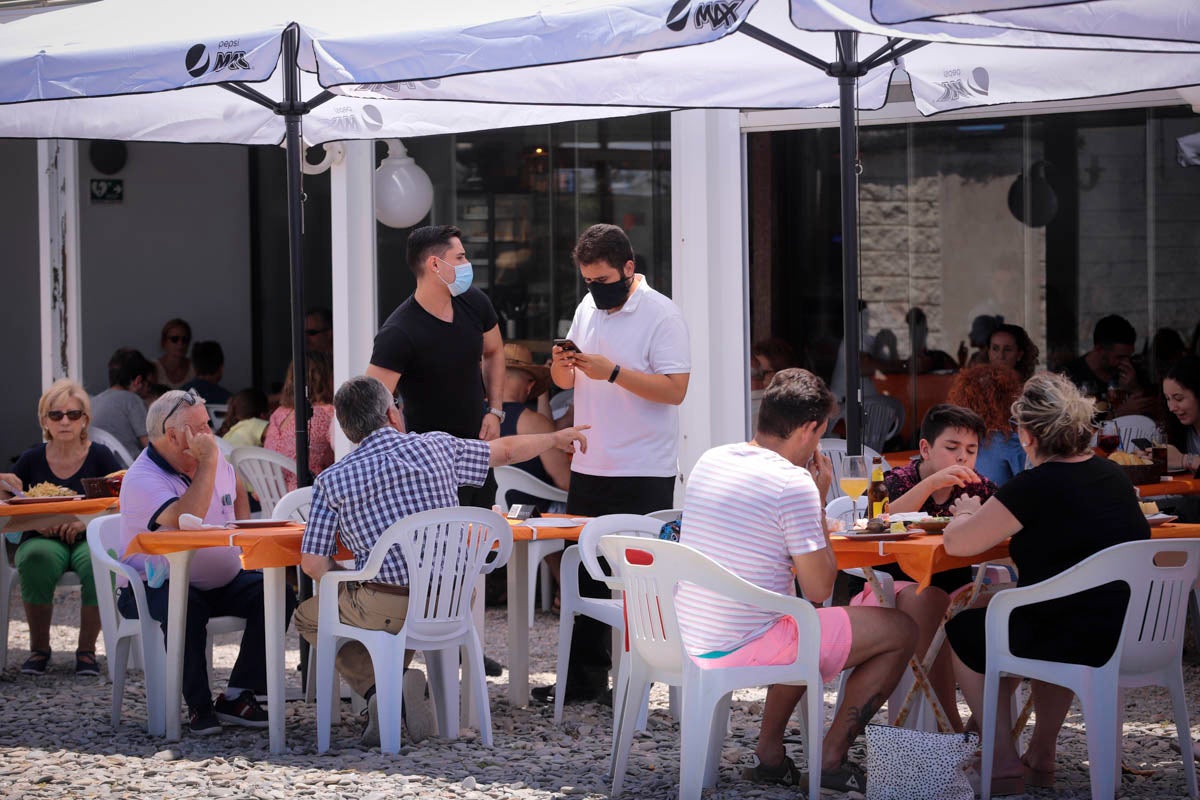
point(387, 588)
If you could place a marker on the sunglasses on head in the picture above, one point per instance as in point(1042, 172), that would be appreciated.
point(190, 397)
point(178, 339)
point(73, 415)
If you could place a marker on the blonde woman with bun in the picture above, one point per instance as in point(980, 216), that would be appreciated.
point(1069, 505)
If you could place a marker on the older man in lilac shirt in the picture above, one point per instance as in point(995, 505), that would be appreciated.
point(182, 472)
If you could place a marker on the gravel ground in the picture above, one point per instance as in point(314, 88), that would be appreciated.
point(56, 741)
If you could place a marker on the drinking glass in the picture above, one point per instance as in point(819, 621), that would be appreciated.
point(854, 478)
point(1108, 438)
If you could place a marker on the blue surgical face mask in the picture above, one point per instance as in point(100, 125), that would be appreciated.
point(464, 276)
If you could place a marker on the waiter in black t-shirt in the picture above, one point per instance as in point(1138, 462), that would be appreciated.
point(432, 345)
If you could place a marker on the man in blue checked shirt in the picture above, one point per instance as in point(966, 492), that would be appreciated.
point(389, 476)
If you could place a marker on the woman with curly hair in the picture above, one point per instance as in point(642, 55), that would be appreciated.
point(989, 390)
point(1011, 346)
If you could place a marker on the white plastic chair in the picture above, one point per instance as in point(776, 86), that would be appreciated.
point(883, 417)
point(104, 541)
point(1148, 652)
point(216, 414)
point(103, 437)
point(264, 470)
point(226, 448)
point(445, 549)
point(1135, 426)
point(649, 570)
point(511, 479)
point(835, 449)
point(561, 403)
point(606, 610)
point(845, 509)
point(667, 514)
point(10, 578)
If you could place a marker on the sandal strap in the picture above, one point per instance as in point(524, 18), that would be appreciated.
point(785, 774)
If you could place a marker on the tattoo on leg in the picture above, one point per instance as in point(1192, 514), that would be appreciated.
point(859, 716)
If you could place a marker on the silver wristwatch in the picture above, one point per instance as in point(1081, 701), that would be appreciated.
point(499, 412)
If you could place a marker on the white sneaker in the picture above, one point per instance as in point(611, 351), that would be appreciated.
point(418, 707)
point(370, 734)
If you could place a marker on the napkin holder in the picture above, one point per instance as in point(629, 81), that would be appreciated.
point(523, 511)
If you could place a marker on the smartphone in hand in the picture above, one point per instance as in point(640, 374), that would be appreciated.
point(567, 344)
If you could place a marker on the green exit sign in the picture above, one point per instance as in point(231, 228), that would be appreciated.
point(108, 191)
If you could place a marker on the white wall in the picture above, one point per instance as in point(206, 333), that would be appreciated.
point(177, 246)
point(19, 313)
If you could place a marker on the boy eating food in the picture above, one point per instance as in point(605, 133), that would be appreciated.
point(945, 471)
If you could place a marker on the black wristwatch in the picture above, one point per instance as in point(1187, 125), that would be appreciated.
point(616, 371)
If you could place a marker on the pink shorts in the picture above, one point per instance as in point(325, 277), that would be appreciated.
point(778, 645)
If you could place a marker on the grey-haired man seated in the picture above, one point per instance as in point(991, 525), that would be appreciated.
point(391, 475)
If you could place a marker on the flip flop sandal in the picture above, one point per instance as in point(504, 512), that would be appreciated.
point(86, 663)
point(36, 663)
point(847, 777)
point(785, 774)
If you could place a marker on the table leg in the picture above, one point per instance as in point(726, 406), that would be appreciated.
point(919, 670)
point(274, 605)
point(176, 624)
point(518, 625)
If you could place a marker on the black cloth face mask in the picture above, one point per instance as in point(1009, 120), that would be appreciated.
point(610, 295)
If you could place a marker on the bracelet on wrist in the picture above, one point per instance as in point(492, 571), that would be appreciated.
point(616, 371)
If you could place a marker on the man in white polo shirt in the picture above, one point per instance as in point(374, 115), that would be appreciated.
point(757, 508)
point(629, 366)
point(182, 472)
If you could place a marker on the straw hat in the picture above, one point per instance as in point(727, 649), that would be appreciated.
point(517, 356)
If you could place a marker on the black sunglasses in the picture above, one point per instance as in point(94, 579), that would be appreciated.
point(315, 331)
point(73, 415)
point(190, 397)
point(177, 339)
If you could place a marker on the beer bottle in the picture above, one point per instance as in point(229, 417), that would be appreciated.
point(877, 496)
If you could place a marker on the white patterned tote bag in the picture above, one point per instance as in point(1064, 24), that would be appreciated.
point(904, 764)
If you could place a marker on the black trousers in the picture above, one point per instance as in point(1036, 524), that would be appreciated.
point(595, 496)
point(241, 597)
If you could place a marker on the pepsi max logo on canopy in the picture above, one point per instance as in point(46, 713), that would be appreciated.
point(956, 87)
point(198, 61)
point(372, 118)
point(718, 14)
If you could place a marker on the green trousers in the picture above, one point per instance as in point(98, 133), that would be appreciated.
point(41, 562)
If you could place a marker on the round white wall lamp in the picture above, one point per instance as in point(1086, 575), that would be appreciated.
point(403, 191)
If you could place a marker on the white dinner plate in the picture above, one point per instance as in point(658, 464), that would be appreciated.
point(1160, 519)
point(889, 536)
point(29, 501)
point(551, 522)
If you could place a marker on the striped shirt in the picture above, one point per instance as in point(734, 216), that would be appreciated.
point(750, 510)
point(388, 477)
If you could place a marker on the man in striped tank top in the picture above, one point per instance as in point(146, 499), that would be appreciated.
point(757, 508)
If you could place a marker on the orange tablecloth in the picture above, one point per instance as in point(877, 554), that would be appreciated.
point(84, 506)
point(922, 556)
point(523, 532)
point(261, 547)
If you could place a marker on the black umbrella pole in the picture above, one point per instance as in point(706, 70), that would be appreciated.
point(293, 111)
point(295, 151)
point(849, 173)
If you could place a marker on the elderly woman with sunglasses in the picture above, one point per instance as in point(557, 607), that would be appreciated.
point(64, 459)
